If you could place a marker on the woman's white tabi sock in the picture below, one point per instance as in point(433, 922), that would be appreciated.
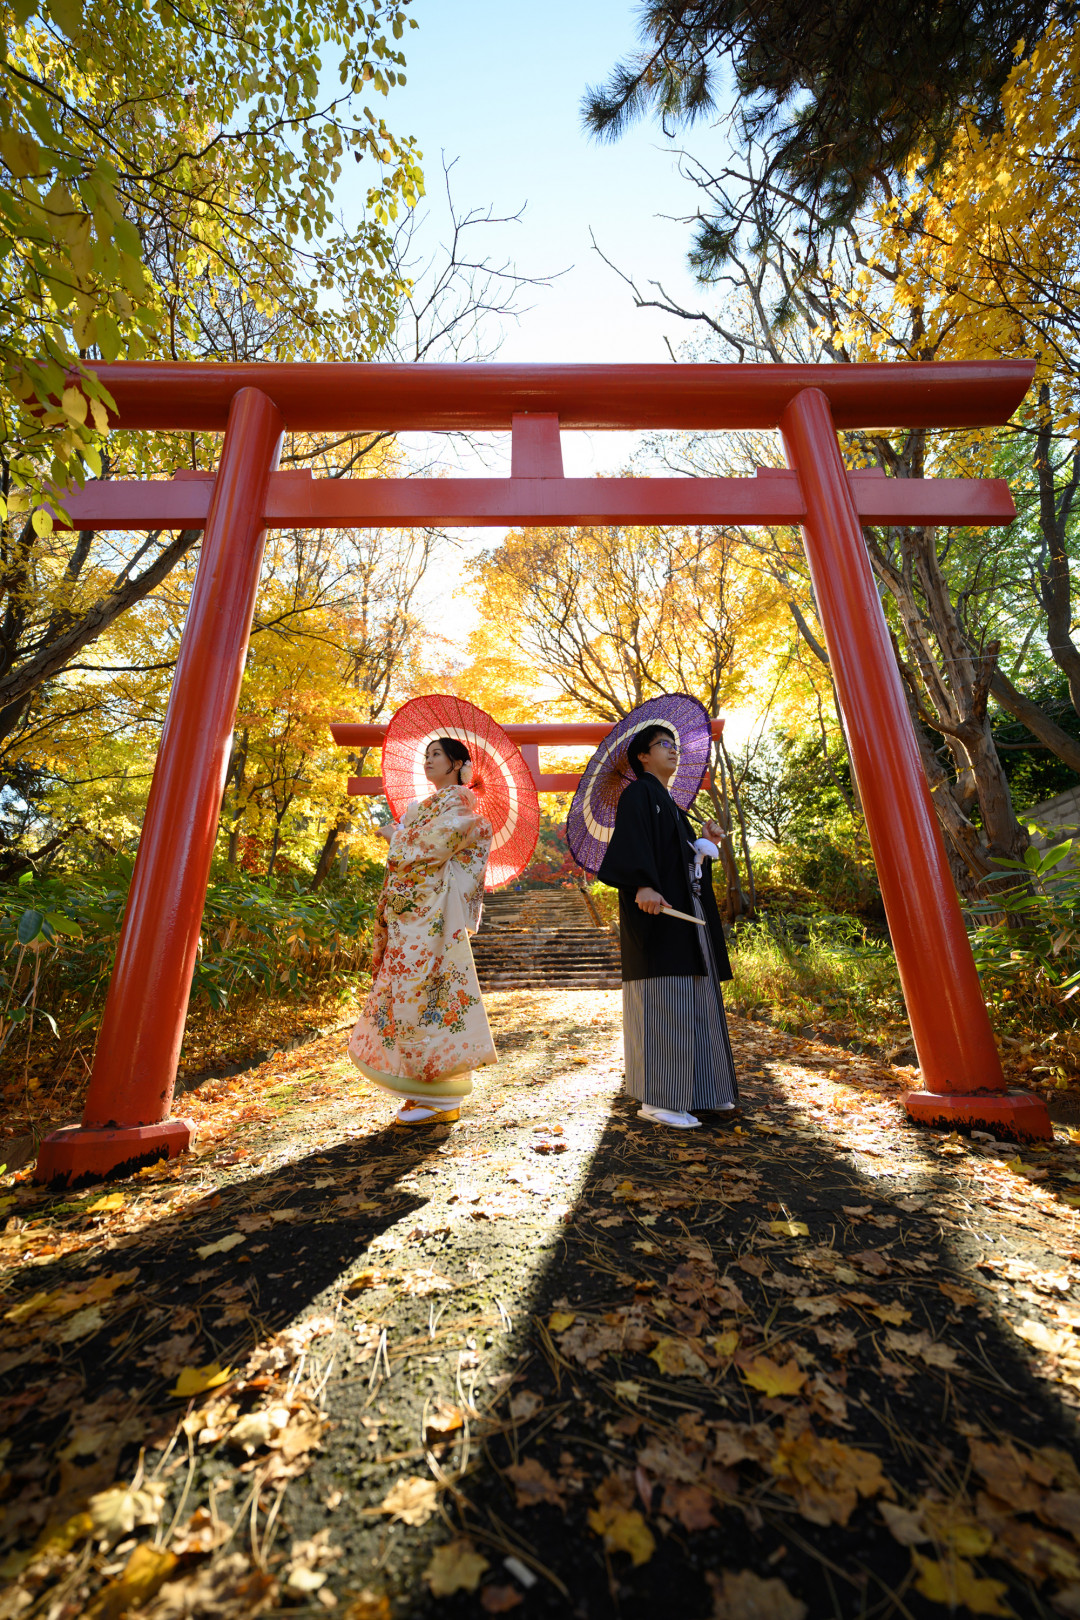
point(414, 1111)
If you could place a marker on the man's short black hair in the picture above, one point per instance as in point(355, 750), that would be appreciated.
point(642, 741)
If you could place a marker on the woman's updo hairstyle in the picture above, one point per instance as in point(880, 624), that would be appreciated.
point(456, 752)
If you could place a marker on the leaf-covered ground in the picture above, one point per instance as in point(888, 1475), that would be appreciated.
point(40, 1090)
point(812, 1362)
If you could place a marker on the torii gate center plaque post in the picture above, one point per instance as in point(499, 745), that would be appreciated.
point(126, 1122)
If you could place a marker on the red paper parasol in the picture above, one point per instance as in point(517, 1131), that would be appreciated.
point(500, 777)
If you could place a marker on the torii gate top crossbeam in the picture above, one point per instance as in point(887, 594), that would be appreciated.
point(344, 397)
point(536, 403)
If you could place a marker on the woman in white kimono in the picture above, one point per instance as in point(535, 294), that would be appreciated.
point(423, 1028)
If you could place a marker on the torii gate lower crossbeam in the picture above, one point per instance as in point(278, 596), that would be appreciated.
point(529, 737)
point(126, 1121)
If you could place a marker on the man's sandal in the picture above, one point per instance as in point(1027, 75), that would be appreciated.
point(668, 1116)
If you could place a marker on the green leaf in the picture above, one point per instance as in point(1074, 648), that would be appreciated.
point(66, 14)
point(30, 926)
point(64, 925)
point(20, 153)
point(1052, 857)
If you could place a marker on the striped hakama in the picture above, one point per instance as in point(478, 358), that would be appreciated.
point(677, 1048)
point(675, 1035)
point(678, 1053)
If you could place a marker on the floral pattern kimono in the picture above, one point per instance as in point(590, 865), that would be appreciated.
point(423, 1028)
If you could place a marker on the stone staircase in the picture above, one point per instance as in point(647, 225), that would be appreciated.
point(544, 940)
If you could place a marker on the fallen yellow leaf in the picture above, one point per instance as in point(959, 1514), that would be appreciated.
point(789, 1229)
point(905, 1524)
point(411, 1500)
point(676, 1359)
point(444, 1419)
point(534, 1485)
point(956, 1584)
point(623, 1530)
point(892, 1313)
point(955, 1529)
point(195, 1380)
point(63, 1301)
point(114, 1200)
point(369, 1605)
point(27, 1307)
point(82, 1324)
point(456, 1567)
point(1030, 1172)
point(743, 1595)
point(118, 1510)
point(146, 1570)
point(958, 1295)
point(627, 1192)
point(559, 1321)
point(772, 1379)
point(725, 1344)
point(229, 1241)
point(825, 1477)
point(1051, 1341)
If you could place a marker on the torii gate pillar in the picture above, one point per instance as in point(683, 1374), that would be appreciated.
point(961, 1071)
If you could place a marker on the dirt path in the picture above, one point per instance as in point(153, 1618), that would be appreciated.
point(813, 1363)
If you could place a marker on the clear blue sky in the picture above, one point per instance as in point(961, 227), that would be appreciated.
point(498, 86)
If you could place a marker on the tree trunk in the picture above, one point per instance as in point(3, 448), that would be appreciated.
point(1055, 580)
point(1037, 721)
point(237, 769)
point(948, 683)
point(329, 850)
point(750, 900)
point(968, 859)
point(734, 899)
point(27, 676)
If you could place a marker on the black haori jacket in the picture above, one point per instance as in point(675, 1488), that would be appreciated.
point(651, 848)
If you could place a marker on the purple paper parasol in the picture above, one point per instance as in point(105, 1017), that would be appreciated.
point(592, 815)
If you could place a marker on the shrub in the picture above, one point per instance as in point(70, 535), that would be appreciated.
point(1026, 936)
point(58, 937)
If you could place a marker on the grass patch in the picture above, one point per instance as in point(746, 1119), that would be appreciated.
point(814, 968)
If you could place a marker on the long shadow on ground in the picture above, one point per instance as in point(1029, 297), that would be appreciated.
point(737, 1354)
point(735, 1371)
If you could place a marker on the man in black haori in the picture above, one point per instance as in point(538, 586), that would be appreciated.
point(678, 1053)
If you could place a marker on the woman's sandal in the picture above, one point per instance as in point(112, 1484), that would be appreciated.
point(422, 1113)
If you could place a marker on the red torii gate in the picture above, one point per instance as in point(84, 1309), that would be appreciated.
point(126, 1120)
